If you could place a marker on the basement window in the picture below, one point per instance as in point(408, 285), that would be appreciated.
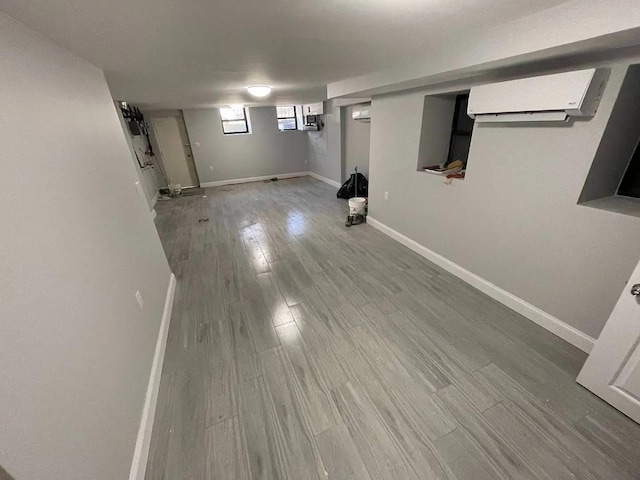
point(287, 118)
point(630, 185)
point(461, 130)
point(445, 137)
point(234, 120)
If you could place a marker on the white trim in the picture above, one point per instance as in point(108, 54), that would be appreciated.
point(154, 200)
point(154, 214)
point(141, 453)
point(556, 326)
point(253, 179)
point(325, 179)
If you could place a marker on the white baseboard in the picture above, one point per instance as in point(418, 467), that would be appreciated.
point(325, 179)
point(234, 181)
point(143, 442)
point(556, 326)
point(154, 214)
point(253, 179)
point(154, 200)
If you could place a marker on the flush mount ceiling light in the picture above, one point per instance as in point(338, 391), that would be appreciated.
point(259, 90)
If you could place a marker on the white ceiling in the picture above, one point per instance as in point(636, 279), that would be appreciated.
point(198, 53)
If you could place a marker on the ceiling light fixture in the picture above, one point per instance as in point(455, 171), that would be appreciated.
point(259, 90)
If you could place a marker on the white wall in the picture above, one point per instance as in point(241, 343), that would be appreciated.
point(77, 242)
point(356, 144)
point(514, 220)
point(266, 151)
point(325, 146)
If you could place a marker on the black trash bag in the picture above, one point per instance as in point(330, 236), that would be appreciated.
point(348, 188)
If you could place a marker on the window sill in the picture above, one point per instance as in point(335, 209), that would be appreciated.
point(624, 205)
point(442, 177)
point(438, 173)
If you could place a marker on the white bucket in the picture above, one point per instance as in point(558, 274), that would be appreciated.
point(356, 206)
point(175, 189)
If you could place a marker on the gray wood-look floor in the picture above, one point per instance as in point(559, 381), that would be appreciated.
point(300, 349)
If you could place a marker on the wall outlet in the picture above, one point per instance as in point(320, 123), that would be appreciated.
point(197, 144)
point(139, 299)
point(211, 167)
point(386, 195)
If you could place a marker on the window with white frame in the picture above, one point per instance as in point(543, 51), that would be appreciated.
point(234, 120)
point(287, 118)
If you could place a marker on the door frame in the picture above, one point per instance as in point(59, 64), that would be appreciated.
point(189, 144)
point(179, 116)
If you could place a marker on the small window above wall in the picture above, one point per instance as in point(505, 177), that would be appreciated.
point(287, 119)
point(234, 120)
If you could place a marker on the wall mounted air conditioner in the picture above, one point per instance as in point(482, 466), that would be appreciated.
point(362, 115)
point(539, 99)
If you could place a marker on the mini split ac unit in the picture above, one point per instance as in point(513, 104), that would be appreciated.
point(546, 98)
point(362, 115)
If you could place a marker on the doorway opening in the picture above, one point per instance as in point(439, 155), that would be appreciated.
point(356, 136)
point(175, 152)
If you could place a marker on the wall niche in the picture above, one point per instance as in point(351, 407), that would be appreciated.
point(445, 134)
point(612, 182)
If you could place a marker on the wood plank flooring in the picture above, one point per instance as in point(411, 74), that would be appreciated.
point(300, 349)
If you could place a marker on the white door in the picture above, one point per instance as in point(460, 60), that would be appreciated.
point(612, 370)
point(175, 151)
